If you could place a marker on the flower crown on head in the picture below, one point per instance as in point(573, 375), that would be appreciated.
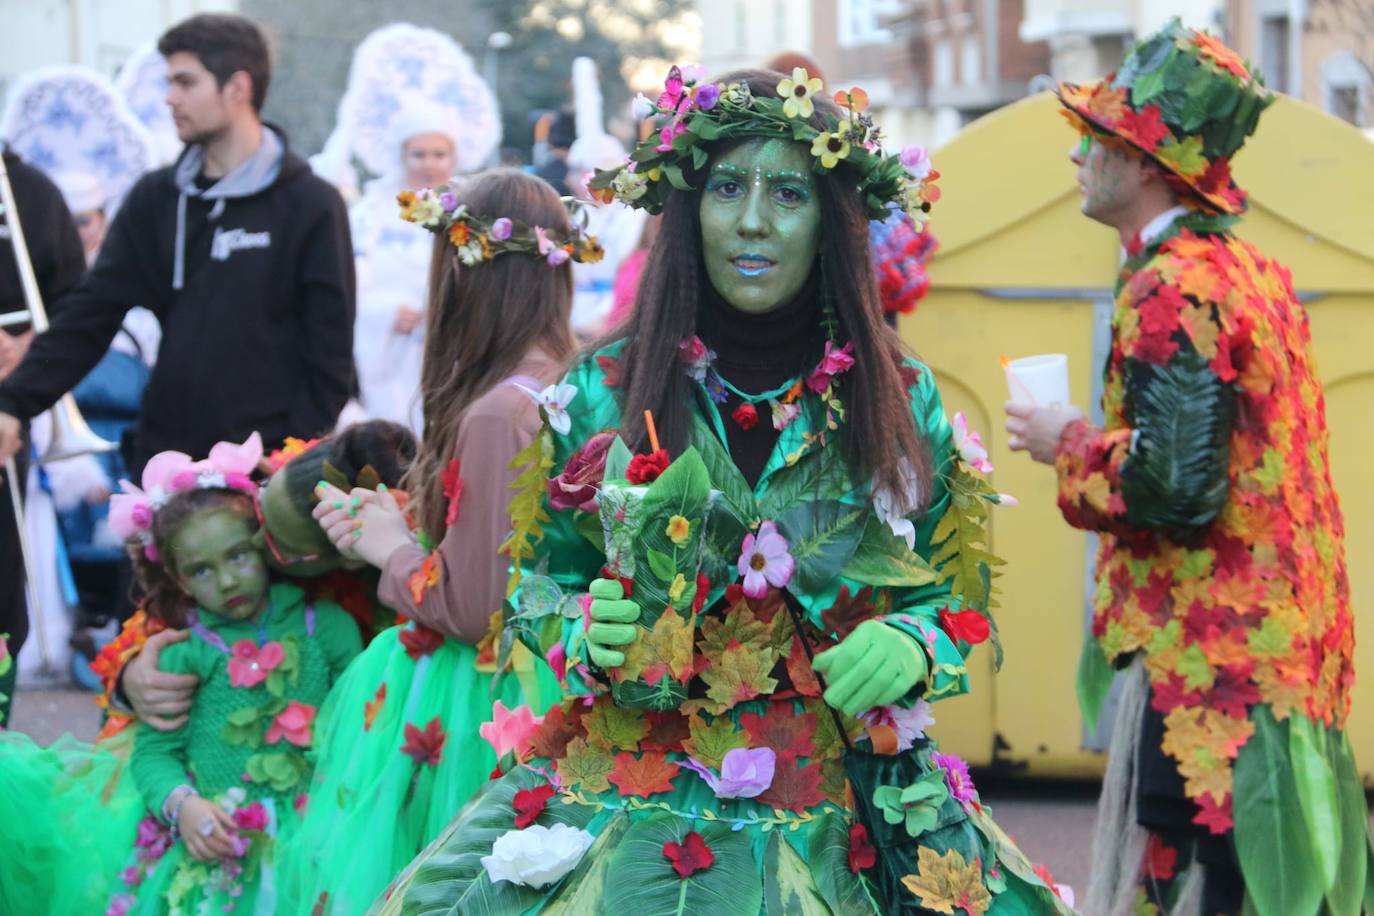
point(168, 473)
point(478, 240)
point(699, 113)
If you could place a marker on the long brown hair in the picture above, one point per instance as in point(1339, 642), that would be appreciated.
point(482, 321)
point(879, 433)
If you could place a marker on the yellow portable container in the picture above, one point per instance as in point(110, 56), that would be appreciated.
point(1021, 271)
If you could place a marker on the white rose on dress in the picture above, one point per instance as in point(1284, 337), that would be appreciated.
point(536, 856)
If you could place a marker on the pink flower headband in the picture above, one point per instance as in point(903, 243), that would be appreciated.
point(169, 473)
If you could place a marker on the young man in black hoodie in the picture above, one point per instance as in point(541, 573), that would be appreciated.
point(238, 248)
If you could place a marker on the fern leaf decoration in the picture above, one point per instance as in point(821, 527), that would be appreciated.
point(527, 514)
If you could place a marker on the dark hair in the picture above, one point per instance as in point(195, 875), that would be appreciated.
point(389, 448)
point(155, 587)
point(225, 44)
point(785, 62)
point(879, 433)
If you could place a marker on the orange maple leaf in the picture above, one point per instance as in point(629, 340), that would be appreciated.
point(424, 578)
point(645, 775)
point(373, 706)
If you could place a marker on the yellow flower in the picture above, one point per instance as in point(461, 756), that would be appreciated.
point(830, 148)
point(406, 200)
point(676, 589)
point(798, 91)
point(678, 530)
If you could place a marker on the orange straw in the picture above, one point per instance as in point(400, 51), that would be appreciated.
point(1004, 360)
point(653, 432)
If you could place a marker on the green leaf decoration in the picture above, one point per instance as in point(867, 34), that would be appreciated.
point(661, 565)
point(700, 157)
point(335, 477)
point(368, 478)
point(822, 537)
point(1176, 481)
point(828, 853)
point(642, 880)
point(1272, 843)
point(683, 489)
point(675, 178)
point(1095, 676)
point(586, 886)
point(1317, 793)
point(818, 477)
point(618, 458)
point(281, 770)
point(243, 728)
point(1353, 886)
point(526, 508)
point(1014, 860)
point(539, 597)
point(963, 558)
point(735, 492)
point(1146, 88)
point(883, 559)
point(448, 878)
point(788, 885)
point(917, 806)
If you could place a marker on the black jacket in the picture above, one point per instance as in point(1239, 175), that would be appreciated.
point(54, 246)
point(259, 337)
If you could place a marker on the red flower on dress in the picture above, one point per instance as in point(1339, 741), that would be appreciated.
point(746, 416)
point(646, 468)
point(530, 803)
point(861, 852)
point(703, 589)
point(690, 856)
point(452, 481)
point(420, 640)
point(966, 626)
point(1160, 859)
point(425, 746)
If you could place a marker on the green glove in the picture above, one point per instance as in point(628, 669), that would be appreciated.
point(873, 666)
point(614, 620)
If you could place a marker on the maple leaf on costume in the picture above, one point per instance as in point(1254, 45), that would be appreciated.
point(1156, 349)
point(645, 775)
point(373, 706)
point(615, 728)
point(848, 611)
point(1160, 859)
point(420, 640)
point(425, 746)
point(793, 787)
point(690, 856)
point(800, 672)
point(861, 852)
point(835, 783)
point(669, 644)
point(560, 725)
point(740, 674)
point(452, 482)
point(1146, 126)
point(739, 626)
point(946, 882)
point(425, 578)
point(1232, 692)
point(910, 375)
point(611, 367)
point(782, 729)
point(667, 731)
point(710, 742)
point(1215, 817)
point(1159, 313)
point(585, 766)
point(1167, 695)
point(530, 803)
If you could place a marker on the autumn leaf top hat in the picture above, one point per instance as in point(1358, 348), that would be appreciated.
point(1183, 99)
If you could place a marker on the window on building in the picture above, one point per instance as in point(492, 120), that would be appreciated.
point(1347, 88)
point(970, 61)
point(1345, 103)
point(942, 62)
point(1274, 52)
point(860, 21)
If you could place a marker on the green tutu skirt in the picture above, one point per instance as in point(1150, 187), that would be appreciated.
point(399, 755)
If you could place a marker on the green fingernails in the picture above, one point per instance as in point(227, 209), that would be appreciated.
point(381, 488)
point(356, 501)
point(338, 504)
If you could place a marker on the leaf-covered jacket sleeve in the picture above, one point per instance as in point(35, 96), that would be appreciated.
point(1162, 466)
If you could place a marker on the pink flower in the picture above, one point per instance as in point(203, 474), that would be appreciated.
point(957, 780)
point(541, 237)
point(916, 161)
point(575, 488)
point(764, 561)
point(252, 816)
point(970, 445)
point(121, 905)
point(669, 133)
point(509, 729)
point(149, 831)
point(697, 356)
point(501, 229)
point(229, 458)
point(744, 772)
point(292, 724)
point(299, 803)
point(909, 724)
point(249, 665)
point(557, 257)
point(131, 876)
point(784, 414)
point(239, 844)
point(557, 657)
point(833, 363)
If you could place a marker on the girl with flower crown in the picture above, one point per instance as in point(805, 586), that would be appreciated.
point(794, 564)
point(197, 820)
point(401, 750)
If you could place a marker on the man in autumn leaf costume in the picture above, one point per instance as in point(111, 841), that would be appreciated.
point(1221, 575)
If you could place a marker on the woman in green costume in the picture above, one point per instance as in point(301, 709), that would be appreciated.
point(400, 750)
point(818, 503)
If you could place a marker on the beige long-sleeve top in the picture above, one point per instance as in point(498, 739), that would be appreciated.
point(472, 575)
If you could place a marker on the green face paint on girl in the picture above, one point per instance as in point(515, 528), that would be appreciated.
point(216, 563)
point(760, 223)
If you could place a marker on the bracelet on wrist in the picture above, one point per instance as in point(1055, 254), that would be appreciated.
point(182, 792)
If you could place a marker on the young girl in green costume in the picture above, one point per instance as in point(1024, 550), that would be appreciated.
point(197, 820)
point(401, 750)
point(845, 526)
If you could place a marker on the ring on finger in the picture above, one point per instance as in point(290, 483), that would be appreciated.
point(206, 826)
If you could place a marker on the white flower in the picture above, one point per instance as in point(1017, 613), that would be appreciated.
point(909, 723)
point(892, 511)
point(555, 400)
point(232, 798)
point(970, 446)
point(536, 856)
point(642, 107)
point(427, 213)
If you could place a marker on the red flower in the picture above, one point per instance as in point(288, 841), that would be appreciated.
point(746, 416)
point(575, 488)
point(646, 468)
point(420, 641)
point(425, 746)
point(703, 589)
point(627, 585)
point(529, 804)
point(690, 856)
point(966, 626)
point(452, 481)
point(1160, 859)
point(861, 852)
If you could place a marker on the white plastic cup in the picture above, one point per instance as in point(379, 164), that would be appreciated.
point(1039, 380)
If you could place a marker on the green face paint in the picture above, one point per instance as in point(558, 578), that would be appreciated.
point(294, 542)
point(1109, 180)
point(217, 565)
point(760, 223)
